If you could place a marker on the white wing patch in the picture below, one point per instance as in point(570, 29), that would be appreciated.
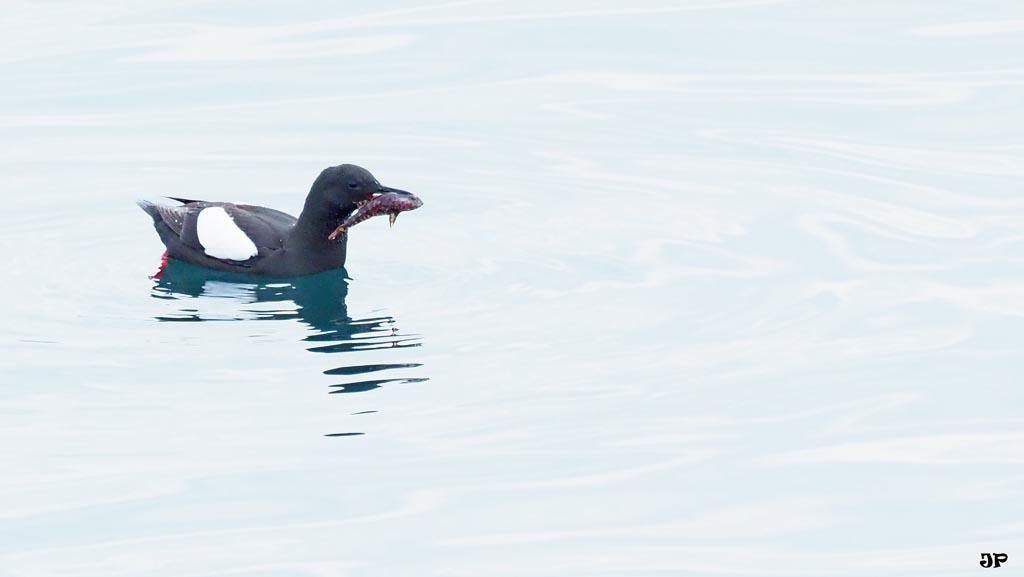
point(221, 237)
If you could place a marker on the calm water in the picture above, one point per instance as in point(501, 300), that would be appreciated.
point(700, 288)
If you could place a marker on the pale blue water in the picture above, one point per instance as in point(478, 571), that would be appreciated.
point(699, 288)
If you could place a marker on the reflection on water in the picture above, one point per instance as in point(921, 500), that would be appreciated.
point(317, 301)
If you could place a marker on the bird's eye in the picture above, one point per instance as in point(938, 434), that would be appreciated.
point(353, 185)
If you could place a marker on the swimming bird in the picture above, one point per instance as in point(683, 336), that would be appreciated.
point(257, 240)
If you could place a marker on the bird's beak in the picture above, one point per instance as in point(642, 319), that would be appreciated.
point(387, 189)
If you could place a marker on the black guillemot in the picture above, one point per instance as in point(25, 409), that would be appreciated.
point(262, 241)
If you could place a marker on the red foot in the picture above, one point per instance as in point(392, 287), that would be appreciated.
point(160, 270)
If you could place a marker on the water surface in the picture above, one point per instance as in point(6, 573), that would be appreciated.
point(699, 288)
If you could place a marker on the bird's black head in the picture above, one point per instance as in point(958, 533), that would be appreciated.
point(340, 191)
point(342, 187)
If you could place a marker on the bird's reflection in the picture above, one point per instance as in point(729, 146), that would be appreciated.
point(316, 300)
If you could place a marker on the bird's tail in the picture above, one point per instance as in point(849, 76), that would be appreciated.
point(150, 209)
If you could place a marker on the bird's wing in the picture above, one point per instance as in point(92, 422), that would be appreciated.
point(269, 215)
point(184, 200)
point(223, 230)
point(173, 216)
point(231, 232)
